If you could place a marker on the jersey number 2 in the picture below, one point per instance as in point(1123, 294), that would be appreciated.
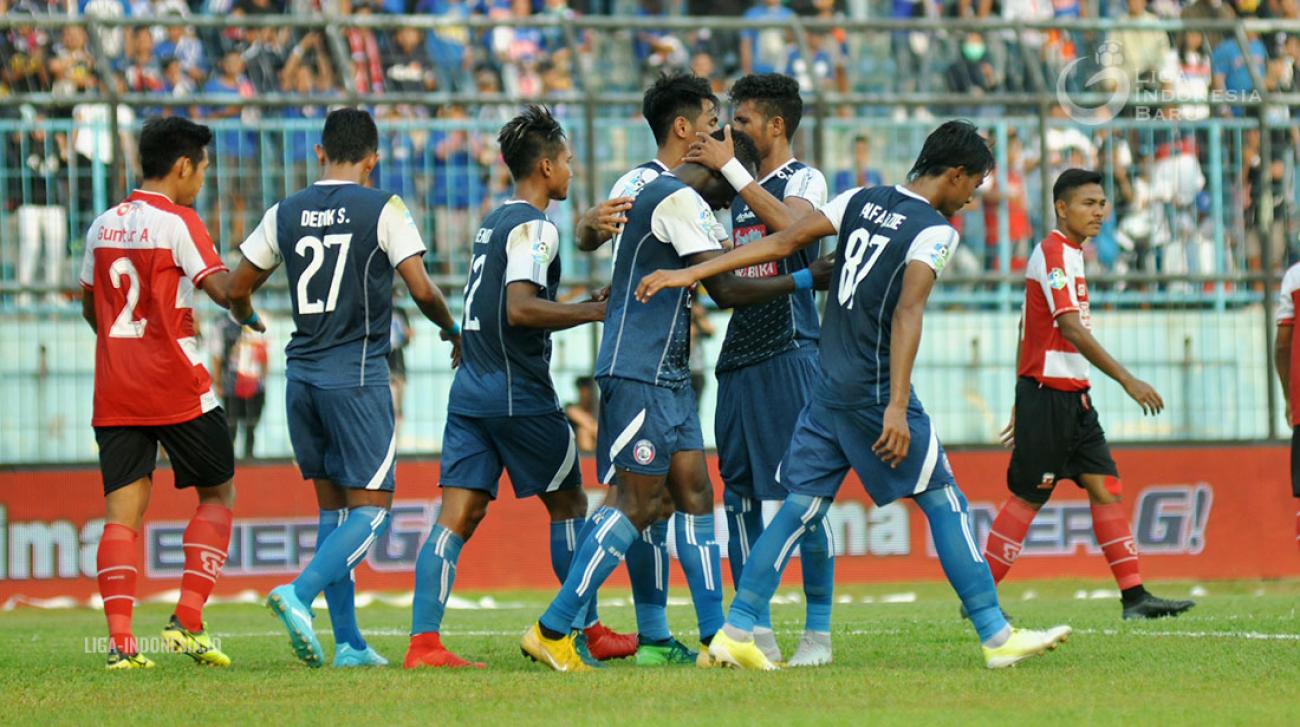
point(475, 280)
point(861, 244)
point(316, 247)
point(123, 272)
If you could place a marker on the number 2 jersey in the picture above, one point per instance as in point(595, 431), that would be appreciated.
point(505, 370)
point(759, 332)
point(144, 258)
point(880, 231)
point(339, 242)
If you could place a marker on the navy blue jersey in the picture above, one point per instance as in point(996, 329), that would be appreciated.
point(881, 230)
point(651, 342)
point(505, 370)
point(339, 243)
point(631, 184)
point(759, 332)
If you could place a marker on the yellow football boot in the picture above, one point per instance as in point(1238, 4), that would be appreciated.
point(1024, 644)
point(197, 645)
point(726, 651)
point(118, 660)
point(559, 654)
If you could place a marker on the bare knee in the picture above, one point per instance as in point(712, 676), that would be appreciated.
point(223, 494)
point(126, 505)
point(462, 511)
point(566, 504)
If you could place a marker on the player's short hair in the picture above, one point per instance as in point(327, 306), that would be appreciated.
point(350, 135)
point(954, 144)
point(164, 140)
point(531, 136)
point(673, 95)
point(746, 149)
point(774, 95)
point(1072, 179)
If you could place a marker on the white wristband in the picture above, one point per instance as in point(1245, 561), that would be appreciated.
point(736, 174)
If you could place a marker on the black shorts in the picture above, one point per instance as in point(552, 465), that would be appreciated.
point(199, 450)
point(1058, 437)
point(248, 411)
point(1295, 462)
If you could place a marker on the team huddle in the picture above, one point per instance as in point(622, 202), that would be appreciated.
point(801, 400)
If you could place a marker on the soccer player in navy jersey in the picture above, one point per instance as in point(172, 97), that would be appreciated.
point(650, 437)
point(340, 243)
point(503, 413)
point(893, 243)
point(677, 107)
point(768, 363)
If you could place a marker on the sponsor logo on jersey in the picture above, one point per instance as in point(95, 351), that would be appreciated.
point(1057, 279)
point(643, 452)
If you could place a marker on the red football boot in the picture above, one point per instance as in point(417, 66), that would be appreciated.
point(427, 650)
point(605, 644)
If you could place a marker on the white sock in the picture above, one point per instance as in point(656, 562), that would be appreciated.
point(999, 638)
point(736, 634)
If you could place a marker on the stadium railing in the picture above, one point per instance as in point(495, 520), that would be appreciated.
point(1183, 281)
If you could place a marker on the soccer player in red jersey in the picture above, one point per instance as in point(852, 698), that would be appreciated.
point(1054, 431)
point(1285, 351)
point(144, 259)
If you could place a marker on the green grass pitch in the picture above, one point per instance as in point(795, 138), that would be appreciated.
point(1234, 659)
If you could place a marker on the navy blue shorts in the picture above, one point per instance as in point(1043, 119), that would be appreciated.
point(642, 426)
point(343, 435)
point(758, 406)
point(538, 452)
point(827, 442)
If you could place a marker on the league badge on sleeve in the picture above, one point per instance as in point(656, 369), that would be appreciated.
point(1056, 278)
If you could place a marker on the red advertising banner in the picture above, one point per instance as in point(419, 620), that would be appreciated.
point(1197, 513)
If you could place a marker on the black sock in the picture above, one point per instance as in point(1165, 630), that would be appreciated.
point(643, 641)
point(551, 633)
point(1133, 595)
point(707, 641)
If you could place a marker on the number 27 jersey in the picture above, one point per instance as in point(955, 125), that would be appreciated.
point(339, 242)
point(881, 230)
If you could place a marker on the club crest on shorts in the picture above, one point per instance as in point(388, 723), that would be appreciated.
point(643, 452)
point(1049, 481)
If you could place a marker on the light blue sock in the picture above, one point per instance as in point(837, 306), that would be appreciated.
point(341, 594)
point(341, 551)
point(697, 549)
point(647, 565)
point(744, 526)
point(435, 573)
point(954, 541)
point(817, 557)
point(596, 558)
point(770, 556)
point(565, 537)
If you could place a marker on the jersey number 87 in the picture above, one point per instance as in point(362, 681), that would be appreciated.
point(861, 244)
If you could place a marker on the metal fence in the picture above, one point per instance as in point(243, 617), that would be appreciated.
point(1183, 274)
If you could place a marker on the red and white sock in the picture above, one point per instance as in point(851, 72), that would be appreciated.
point(116, 561)
point(1110, 524)
point(206, 540)
point(1007, 536)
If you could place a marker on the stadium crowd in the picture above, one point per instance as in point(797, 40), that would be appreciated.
point(1160, 177)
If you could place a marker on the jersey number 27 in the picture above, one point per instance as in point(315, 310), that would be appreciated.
point(315, 247)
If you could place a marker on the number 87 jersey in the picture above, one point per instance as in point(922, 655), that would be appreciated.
point(144, 258)
point(880, 230)
point(339, 243)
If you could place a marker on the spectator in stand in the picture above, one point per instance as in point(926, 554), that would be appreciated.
point(658, 51)
point(72, 67)
point(265, 58)
point(1229, 64)
point(1142, 52)
point(39, 190)
point(111, 40)
point(448, 44)
point(1187, 76)
point(143, 72)
point(861, 173)
point(307, 73)
point(235, 149)
point(517, 50)
point(408, 68)
point(703, 65)
point(582, 414)
point(1013, 53)
point(182, 44)
point(457, 187)
point(25, 60)
point(363, 45)
point(1016, 201)
point(972, 75)
point(178, 84)
point(767, 50)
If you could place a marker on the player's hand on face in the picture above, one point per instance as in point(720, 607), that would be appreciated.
point(1008, 434)
point(660, 279)
point(710, 152)
point(895, 437)
point(822, 269)
point(1146, 397)
point(609, 216)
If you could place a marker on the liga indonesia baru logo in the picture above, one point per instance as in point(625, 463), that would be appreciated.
point(1110, 79)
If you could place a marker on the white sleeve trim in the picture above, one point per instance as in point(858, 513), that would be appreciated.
point(262, 248)
point(87, 277)
point(684, 220)
point(835, 209)
point(530, 249)
point(398, 234)
point(809, 184)
point(934, 247)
